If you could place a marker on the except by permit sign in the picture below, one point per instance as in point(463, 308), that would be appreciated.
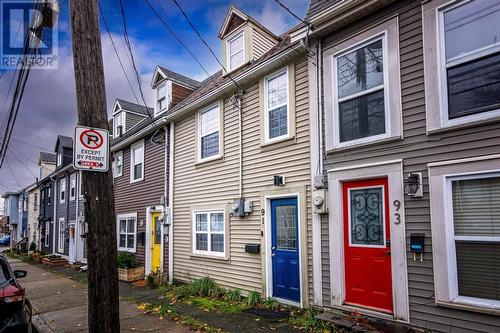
point(91, 149)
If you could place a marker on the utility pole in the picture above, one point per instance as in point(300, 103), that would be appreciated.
point(103, 307)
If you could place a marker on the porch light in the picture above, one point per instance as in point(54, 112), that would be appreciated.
point(413, 186)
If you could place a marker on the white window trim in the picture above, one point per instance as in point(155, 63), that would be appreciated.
point(388, 31)
point(115, 174)
point(266, 109)
point(435, 58)
point(168, 98)
point(198, 134)
point(59, 159)
point(443, 235)
point(47, 233)
point(80, 184)
point(209, 253)
point(384, 86)
point(60, 240)
point(240, 33)
point(72, 184)
point(122, 115)
point(62, 189)
point(126, 217)
point(132, 162)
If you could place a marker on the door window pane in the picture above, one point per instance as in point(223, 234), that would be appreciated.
point(157, 238)
point(286, 227)
point(366, 216)
point(464, 27)
point(362, 116)
point(360, 70)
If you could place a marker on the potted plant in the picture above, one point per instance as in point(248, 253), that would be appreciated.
point(128, 268)
point(54, 260)
point(155, 278)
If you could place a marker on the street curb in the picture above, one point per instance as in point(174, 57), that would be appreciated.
point(41, 325)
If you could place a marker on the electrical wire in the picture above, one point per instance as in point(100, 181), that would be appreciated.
point(282, 5)
point(206, 44)
point(12, 172)
point(20, 162)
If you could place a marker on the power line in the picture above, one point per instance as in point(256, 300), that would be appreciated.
point(116, 52)
point(282, 5)
point(24, 155)
point(20, 162)
point(12, 172)
point(167, 25)
point(206, 44)
point(30, 144)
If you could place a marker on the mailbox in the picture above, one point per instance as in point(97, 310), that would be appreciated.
point(252, 248)
point(417, 245)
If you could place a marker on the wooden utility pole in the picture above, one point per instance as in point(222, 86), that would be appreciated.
point(103, 310)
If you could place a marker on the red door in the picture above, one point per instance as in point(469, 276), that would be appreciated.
point(368, 278)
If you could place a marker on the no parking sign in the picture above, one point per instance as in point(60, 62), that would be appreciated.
point(91, 149)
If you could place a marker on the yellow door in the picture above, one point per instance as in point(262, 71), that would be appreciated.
point(156, 242)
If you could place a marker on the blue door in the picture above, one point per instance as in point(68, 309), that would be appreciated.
point(285, 249)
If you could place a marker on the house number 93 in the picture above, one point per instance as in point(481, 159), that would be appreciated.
point(397, 204)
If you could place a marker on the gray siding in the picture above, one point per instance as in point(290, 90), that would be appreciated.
point(136, 197)
point(417, 149)
point(62, 209)
point(132, 119)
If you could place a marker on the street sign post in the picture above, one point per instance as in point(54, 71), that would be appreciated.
point(91, 149)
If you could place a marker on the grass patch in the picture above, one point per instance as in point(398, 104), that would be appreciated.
point(233, 295)
point(253, 299)
point(220, 306)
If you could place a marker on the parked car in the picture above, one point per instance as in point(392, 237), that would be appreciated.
point(5, 240)
point(15, 308)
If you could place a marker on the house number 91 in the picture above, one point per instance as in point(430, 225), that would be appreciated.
point(397, 204)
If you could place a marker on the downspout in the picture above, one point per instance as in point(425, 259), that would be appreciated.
point(171, 205)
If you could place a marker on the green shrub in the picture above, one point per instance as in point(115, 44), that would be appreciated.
point(127, 260)
point(206, 287)
point(182, 292)
point(233, 295)
point(271, 304)
point(33, 246)
point(253, 298)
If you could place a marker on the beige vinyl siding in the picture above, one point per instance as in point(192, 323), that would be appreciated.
point(135, 197)
point(417, 149)
point(261, 43)
point(217, 182)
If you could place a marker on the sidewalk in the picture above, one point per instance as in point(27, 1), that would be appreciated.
point(60, 305)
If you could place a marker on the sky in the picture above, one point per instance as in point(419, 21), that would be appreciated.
point(48, 107)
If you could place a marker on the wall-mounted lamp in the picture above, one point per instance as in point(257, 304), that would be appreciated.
point(413, 185)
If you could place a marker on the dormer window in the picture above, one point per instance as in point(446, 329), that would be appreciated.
point(236, 51)
point(59, 159)
point(163, 97)
point(118, 124)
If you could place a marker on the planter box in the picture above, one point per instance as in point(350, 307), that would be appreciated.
point(130, 274)
point(54, 262)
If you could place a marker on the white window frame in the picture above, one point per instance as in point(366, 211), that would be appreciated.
point(384, 86)
point(217, 105)
point(388, 31)
point(435, 58)
point(59, 159)
point(121, 115)
point(115, 165)
point(168, 97)
point(49, 195)
point(47, 233)
point(126, 217)
point(237, 35)
point(60, 240)
point(137, 145)
point(62, 190)
point(283, 71)
point(72, 186)
point(441, 174)
point(209, 233)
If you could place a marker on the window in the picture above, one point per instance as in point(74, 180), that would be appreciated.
point(118, 124)
point(42, 169)
point(137, 161)
point(20, 204)
point(208, 133)
point(466, 231)
point(277, 116)
point(364, 103)
point(59, 159)
point(62, 190)
point(80, 185)
point(163, 97)
point(47, 233)
point(25, 203)
point(465, 47)
point(48, 195)
point(127, 230)
point(72, 187)
point(236, 51)
point(62, 233)
point(35, 201)
point(118, 164)
point(208, 233)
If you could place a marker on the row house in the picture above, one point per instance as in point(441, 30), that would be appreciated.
point(32, 231)
point(47, 165)
point(11, 211)
point(405, 160)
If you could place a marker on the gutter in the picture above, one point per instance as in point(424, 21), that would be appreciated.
point(215, 94)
